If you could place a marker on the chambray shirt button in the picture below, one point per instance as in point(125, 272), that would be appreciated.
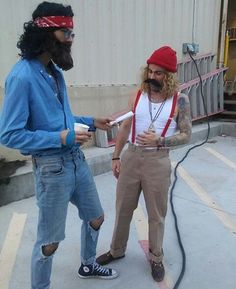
point(50, 76)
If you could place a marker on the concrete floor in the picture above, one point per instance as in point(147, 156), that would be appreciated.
point(205, 203)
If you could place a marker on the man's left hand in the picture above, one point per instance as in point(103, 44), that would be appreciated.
point(103, 123)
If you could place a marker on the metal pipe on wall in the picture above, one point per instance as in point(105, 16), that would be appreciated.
point(223, 32)
point(226, 49)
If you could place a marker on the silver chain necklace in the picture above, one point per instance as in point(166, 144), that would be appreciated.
point(153, 119)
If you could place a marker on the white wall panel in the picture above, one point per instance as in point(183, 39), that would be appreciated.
point(115, 37)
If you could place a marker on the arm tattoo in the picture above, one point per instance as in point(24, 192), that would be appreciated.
point(184, 123)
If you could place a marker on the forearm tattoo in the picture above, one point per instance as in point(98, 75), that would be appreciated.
point(184, 123)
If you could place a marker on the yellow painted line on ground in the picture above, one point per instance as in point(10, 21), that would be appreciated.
point(222, 158)
point(227, 220)
point(141, 225)
point(10, 247)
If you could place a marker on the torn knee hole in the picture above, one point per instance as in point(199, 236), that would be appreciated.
point(48, 250)
point(96, 224)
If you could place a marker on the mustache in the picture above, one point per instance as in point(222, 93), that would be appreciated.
point(154, 84)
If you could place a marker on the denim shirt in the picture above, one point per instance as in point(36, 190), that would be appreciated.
point(36, 110)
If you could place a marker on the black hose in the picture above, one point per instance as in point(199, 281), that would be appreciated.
point(177, 283)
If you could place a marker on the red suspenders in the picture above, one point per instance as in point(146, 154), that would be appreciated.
point(167, 123)
point(171, 115)
point(134, 122)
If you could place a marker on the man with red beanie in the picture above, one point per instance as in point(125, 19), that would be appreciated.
point(161, 120)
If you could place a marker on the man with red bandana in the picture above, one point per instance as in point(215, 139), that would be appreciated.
point(37, 119)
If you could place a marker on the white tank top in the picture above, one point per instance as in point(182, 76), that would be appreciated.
point(143, 119)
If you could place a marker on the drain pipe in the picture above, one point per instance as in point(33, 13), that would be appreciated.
point(222, 50)
point(226, 51)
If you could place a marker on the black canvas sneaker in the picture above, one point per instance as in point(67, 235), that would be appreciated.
point(96, 271)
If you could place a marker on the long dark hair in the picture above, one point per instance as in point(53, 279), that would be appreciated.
point(32, 42)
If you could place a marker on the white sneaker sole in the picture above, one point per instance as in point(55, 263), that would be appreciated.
point(115, 275)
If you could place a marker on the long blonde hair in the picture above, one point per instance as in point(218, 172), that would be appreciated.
point(171, 83)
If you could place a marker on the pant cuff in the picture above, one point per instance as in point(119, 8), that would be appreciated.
point(155, 258)
point(117, 252)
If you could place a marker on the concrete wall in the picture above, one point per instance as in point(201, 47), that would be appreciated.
point(100, 100)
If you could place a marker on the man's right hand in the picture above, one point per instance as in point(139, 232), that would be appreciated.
point(80, 137)
point(116, 168)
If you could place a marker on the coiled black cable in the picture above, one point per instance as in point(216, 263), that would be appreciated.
point(177, 283)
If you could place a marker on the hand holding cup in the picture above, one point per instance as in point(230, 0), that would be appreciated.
point(82, 134)
point(80, 127)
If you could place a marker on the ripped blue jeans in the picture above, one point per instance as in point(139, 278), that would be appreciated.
point(60, 179)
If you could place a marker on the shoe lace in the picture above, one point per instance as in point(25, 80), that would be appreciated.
point(100, 268)
point(157, 264)
point(157, 267)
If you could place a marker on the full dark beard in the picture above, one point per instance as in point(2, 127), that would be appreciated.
point(62, 56)
point(60, 52)
point(154, 85)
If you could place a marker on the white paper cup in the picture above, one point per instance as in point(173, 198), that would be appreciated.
point(80, 127)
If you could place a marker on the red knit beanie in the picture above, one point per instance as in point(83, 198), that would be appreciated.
point(164, 57)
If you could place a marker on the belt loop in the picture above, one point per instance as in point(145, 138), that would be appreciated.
point(34, 162)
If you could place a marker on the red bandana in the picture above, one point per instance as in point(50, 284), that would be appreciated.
point(54, 21)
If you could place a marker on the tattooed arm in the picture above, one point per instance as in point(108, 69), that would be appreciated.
point(184, 123)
